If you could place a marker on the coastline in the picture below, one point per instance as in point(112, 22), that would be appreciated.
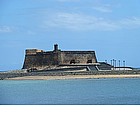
point(73, 77)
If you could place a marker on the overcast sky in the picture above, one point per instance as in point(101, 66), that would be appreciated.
point(110, 27)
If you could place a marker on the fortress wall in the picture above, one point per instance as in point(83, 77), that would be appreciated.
point(50, 58)
point(29, 61)
point(32, 61)
point(40, 60)
point(80, 57)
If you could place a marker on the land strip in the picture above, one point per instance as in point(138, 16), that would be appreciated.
point(73, 77)
point(68, 75)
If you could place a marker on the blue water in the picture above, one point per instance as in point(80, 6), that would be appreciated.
point(80, 91)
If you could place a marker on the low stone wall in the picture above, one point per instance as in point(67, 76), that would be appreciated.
point(5, 75)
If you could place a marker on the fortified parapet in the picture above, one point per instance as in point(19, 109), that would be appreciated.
point(33, 51)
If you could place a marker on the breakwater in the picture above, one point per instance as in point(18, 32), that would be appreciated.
point(7, 75)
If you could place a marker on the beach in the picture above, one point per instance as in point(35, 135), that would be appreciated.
point(74, 77)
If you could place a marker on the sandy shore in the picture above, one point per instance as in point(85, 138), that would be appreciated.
point(73, 77)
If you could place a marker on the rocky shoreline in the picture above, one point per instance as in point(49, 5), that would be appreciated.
point(69, 75)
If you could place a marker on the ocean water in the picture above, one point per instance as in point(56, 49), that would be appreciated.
point(71, 92)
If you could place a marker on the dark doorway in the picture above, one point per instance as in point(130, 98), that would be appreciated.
point(72, 61)
point(89, 61)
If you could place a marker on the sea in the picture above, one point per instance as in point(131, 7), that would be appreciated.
point(115, 91)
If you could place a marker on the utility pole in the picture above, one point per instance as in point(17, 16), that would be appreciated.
point(119, 64)
point(115, 63)
point(111, 62)
point(124, 64)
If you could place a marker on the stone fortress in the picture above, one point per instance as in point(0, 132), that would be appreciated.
point(39, 60)
point(63, 63)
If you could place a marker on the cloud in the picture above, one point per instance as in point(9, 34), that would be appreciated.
point(81, 22)
point(5, 29)
point(133, 22)
point(103, 8)
point(29, 32)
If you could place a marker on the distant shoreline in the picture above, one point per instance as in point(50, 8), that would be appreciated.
point(73, 77)
point(58, 75)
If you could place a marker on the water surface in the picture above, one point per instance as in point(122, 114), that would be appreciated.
point(79, 91)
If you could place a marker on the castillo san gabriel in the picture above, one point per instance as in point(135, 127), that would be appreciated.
point(39, 60)
point(60, 63)
point(63, 63)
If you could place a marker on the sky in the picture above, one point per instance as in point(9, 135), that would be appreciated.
point(109, 27)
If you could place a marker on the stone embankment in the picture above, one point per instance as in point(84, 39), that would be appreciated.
point(7, 75)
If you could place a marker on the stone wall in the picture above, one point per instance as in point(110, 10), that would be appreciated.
point(41, 59)
point(78, 57)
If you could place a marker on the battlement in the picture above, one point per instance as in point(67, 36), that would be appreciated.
point(33, 51)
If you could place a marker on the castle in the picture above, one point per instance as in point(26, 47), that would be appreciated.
point(40, 59)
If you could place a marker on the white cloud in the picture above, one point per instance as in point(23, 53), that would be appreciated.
point(29, 32)
point(5, 29)
point(133, 22)
point(80, 22)
point(103, 8)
